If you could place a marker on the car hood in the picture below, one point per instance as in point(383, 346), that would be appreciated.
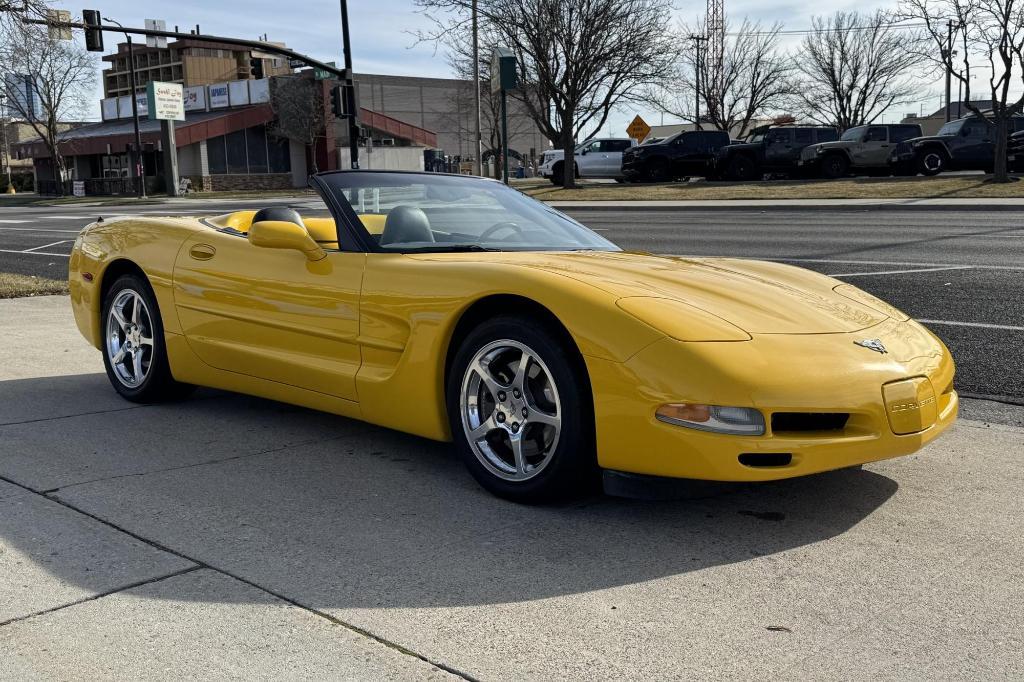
point(837, 144)
point(759, 297)
point(928, 138)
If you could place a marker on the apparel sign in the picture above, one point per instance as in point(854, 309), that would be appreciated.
point(195, 98)
point(219, 96)
point(165, 101)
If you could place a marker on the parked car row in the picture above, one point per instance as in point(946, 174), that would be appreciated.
point(794, 150)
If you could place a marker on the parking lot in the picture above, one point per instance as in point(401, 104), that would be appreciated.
point(305, 545)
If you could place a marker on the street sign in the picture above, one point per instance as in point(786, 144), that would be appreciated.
point(156, 25)
point(503, 70)
point(638, 129)
point(322, 75)
point(165, 101)
point(58, 16)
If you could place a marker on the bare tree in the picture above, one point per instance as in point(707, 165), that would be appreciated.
point(298, 108)
point(990, 31)
point(578, 59)
point(459, 46)
point(756, 79)
point(60, 75)
point(852, 67)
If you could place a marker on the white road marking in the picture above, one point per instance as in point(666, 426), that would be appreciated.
point(46, 246)
point(36, 253)
point(35, 229)
point(980, 325)
point(873, 262)
point(900, 272)
point(66, 217)
point(13, 222)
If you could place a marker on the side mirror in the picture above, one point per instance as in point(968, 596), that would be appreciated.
point(278, 234)
point(583, 152)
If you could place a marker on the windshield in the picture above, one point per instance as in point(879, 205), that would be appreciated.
point(756, 138)
point(951, 128)
point(853, 134)
point(409, 212)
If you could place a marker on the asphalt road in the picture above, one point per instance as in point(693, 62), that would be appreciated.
point(960, 271)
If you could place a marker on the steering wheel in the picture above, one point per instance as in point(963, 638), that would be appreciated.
point(500, 226)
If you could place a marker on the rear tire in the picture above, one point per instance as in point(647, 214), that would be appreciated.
point(134, 351)
point(548, 406)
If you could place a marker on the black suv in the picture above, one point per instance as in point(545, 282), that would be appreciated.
point(769, 150)
point(964, 144)
point(1015, 152)
point(682, 155)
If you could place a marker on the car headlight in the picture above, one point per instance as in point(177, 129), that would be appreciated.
point(681, 321)
point(742, 421)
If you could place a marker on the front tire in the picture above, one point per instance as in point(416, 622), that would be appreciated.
point(134, 352)
point(834, 166)
point(521, 412)
point(743, 168)
point(931, 162)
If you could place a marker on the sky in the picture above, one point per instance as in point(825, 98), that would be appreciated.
point(383, 39)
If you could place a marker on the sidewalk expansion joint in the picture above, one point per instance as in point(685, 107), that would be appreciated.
point(100, 595)
point(200, 564)
point(72, 416)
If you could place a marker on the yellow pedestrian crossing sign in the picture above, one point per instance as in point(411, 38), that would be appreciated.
point(638, 129)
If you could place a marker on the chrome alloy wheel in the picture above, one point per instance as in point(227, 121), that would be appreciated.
point(129, 338)
point(510, 408)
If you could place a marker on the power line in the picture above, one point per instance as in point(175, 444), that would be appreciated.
point(847, 29)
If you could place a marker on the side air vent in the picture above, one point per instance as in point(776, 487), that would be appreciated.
point(765, 460)
point(809, 421)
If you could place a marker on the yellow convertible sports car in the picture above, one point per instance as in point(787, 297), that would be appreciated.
point(458, 309)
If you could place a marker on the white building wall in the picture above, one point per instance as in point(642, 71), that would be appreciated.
point(385, 158)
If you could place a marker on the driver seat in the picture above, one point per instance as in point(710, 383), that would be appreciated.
point(406, 224)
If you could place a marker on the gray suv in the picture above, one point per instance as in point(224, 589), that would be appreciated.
point(864, 148)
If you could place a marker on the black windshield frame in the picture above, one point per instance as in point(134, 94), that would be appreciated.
point(353, 235)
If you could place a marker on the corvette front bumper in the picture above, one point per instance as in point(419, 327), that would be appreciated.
point(801, 374)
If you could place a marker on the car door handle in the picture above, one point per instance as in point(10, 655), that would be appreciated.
point(202, 251)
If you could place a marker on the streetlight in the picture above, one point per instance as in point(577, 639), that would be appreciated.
point(140, 164)
point(350, 91)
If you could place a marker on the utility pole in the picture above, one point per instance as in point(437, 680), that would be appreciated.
point(697, 40)
point(350, 91)
point(949, 65)
point(139, 167)
point(478, 167)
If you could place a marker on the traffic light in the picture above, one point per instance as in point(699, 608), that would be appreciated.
point(93, 34)
point(338, 101)
point(256, 67)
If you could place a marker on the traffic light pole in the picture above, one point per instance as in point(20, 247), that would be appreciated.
point(350, 92)
point(139, 167)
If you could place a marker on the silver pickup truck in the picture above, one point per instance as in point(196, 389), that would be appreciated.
point(601, 158)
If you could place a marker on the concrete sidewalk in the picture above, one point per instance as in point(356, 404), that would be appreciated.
point(227, 536)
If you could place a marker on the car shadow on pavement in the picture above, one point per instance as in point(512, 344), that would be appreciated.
point(333, 513)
